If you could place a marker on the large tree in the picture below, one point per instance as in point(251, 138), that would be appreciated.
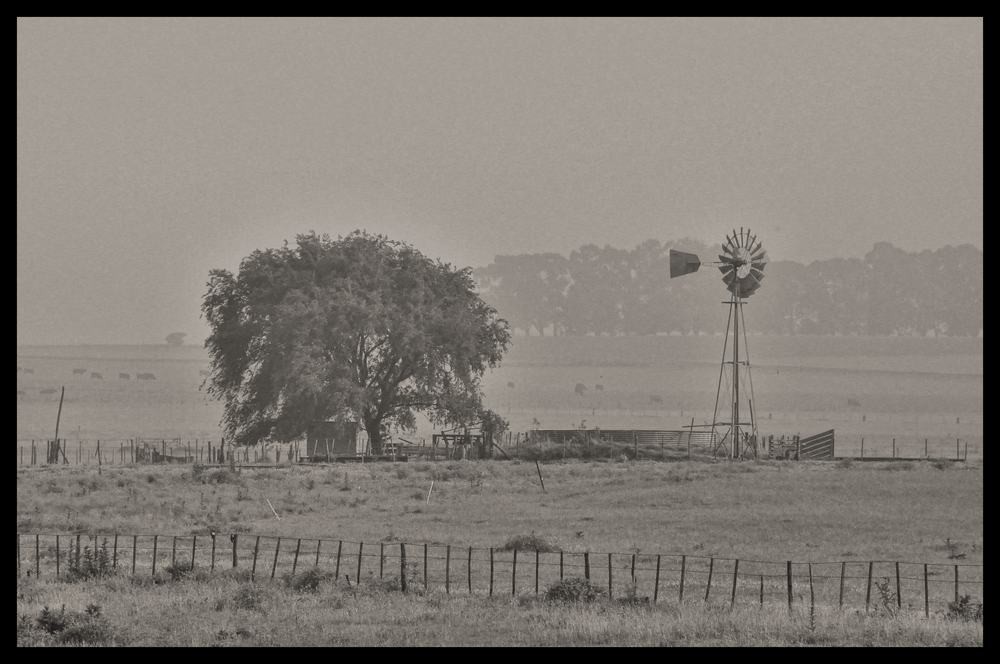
point(359, 327)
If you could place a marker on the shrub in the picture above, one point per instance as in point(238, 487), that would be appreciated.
point(308, 581)
point(76, 627)
point(530, 542)
point(89, 564)
point(965, 609)
point(572, 590)
point(250, 597)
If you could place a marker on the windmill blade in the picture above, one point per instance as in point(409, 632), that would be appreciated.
point(726, 268)
point(757, 273)
point(726, 259)
point(761, 257)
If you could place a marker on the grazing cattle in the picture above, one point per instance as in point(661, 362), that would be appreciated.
point(48, 390)
point(96, 376)
point(124, 376)
point(79, 372)
point(145, 376)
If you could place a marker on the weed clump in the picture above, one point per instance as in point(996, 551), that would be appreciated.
point(250, 597)
point(91, 564)
point(530, 542)
point(965, 609)
point(76, 627)
point(308, 581)
point(574, 590)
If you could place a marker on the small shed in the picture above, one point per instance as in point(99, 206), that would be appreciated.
point(334, 438)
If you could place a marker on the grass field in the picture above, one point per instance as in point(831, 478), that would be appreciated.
point(907, 388)
point(916, 512)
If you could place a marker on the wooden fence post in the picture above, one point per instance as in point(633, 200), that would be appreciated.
point(318, 543)
point(843, 569)
point(536, 570)
point(812, 597)
point(135, 542)
point(295, 560)
point(234, 538)
point(868, 589)
point(491, 571)
point(586, 565)
point(762, 590)
point(253, 566)
point(893, 448)
point(447, 570)
point(336, 571)
point(173, 552)
point(632, 573)
point(899, 598)
point(469, 570)
point(114, 553)
point(38, 558)
point(680, 597)
point(513, 575)
point(925, 449)
point(927, 601)
point(57, 559)
point(357, 577)
point(402, 566)
point(708, 586)
point(381, 558)
point(155, 538)
point(956, 584)
point(610, 587)
point(736, 571)
point(425, 565)
point(788, 577)
point(656, 580)
point(194, 544)
point(212, 564)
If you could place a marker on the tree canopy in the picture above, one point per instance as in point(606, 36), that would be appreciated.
point(360, 327)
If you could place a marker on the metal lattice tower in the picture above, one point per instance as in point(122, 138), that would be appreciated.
point(742, 265)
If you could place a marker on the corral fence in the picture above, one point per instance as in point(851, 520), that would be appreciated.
point(610, 443)
point(642, 577)
point(127, 451)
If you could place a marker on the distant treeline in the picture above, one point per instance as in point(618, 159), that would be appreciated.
point(629, 292)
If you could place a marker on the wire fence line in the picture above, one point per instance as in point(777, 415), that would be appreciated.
point(643, 577)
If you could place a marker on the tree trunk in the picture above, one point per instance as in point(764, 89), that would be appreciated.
point(374, 428)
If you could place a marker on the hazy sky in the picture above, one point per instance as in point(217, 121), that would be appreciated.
point(152, 150)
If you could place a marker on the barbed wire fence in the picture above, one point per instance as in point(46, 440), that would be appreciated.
point(651, 578)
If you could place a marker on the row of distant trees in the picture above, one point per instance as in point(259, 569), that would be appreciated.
point(628, 292)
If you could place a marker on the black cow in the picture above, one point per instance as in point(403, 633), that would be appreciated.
point(96, 376)
point(79, 372)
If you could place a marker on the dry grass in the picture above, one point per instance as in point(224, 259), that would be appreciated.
point(766, 510)
point(228, 611)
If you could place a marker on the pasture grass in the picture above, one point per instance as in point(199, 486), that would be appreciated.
point(771, 510)
point(227, 610)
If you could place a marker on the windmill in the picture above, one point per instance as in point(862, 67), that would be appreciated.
point(742, 265)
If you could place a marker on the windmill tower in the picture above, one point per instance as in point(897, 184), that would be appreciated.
point(742, 265)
